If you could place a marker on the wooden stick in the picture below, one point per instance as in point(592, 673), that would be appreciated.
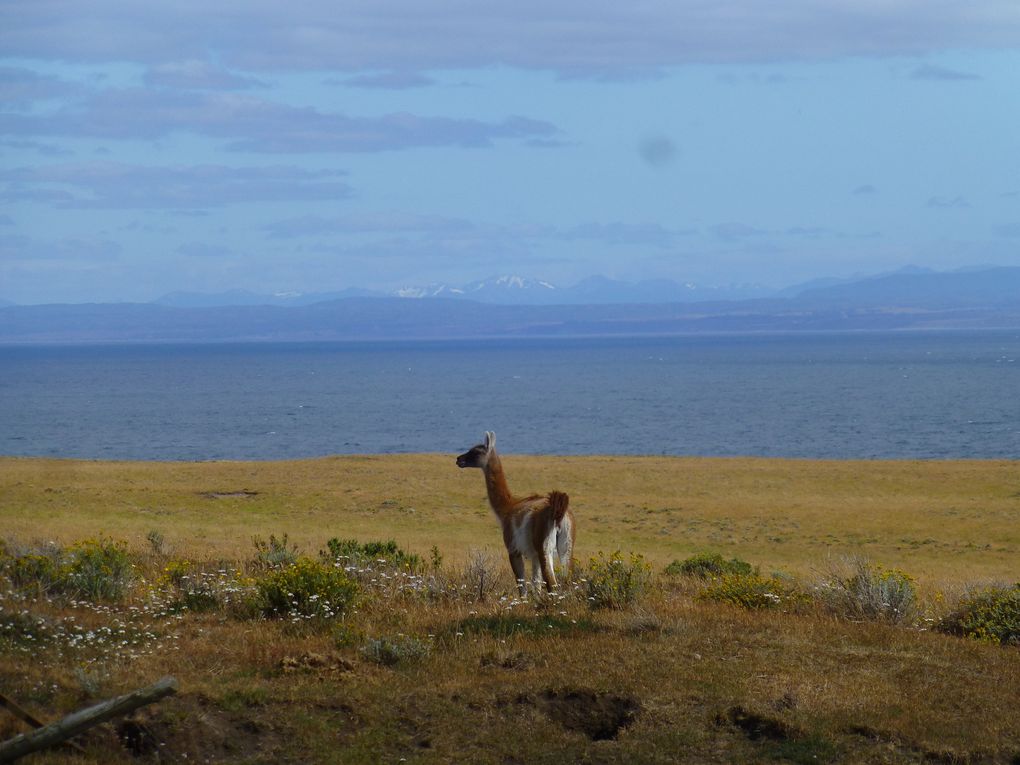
point(27, 717)
point(19, 712)
point(76, 722)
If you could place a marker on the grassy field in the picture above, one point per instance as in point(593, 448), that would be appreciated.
point(445, 664)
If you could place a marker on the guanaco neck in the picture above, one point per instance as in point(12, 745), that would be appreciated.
point(495, 482)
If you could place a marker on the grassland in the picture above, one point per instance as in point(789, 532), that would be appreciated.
point(670, 677)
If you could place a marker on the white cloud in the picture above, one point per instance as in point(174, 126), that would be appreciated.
point(118, 186)
point(257, 125)
point(941, 73)
point(365, 223)
point(195, 74)
point(573, 37)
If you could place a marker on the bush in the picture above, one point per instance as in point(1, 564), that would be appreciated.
point(991, 615)
point(354, 553)
point(36, 570)
point(613, 582)
point(752, 591)
point(871, 592)
point(273, 553)
point(390, 651)
point(99, 569)
point(96, 569)
point(705, 565)
point(191, 590)
point(307, 589)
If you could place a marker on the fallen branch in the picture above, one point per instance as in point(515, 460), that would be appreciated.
point(19, 712)
point(26, 717)
point(76, 722)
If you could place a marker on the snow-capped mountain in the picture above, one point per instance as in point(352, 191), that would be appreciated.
point(495, 289)
point(505, 289)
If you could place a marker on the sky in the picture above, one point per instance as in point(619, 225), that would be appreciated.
point(318, 145)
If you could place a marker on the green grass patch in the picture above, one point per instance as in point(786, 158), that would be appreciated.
point(354, 553)
point(705, 565)
point(752, 591)
point(505, 626)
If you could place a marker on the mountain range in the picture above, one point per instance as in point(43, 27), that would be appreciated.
point(916, 299)
point(502, 290)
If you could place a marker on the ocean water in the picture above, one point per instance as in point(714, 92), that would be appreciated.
point(916, 395)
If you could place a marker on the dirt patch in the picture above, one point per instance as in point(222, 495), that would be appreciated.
point(757, 727)
point(243, 494)
point(193, 728)
point(506, 660)
point(947, 756)
point(599, 716)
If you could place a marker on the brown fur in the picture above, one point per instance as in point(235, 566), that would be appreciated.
point(543, 513)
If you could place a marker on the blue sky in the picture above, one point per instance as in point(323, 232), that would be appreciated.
point(318, 145)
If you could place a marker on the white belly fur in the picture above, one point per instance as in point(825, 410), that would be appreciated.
point(522, 543)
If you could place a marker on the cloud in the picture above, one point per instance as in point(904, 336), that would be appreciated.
point(387, 81)
point(365, 223)
point(256, 125)
point(865, 190)
point(657, 151)
point(435, 228)
point(203, 250)
point(1008, 230)
point(732, 232)
point(932, 72)
point(45, 149)
point(644, 234)
point(84, 251)
point(21, 87)
point(808, 232)
point(947, 203)
point(114, 185)
point(195, 74)
point(572, 37)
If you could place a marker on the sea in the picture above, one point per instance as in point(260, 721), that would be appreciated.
point(918, 395)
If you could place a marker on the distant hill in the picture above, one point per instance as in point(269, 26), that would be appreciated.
point(914, 300)
point(988, 288)
point(499, 290)
point(243, 297)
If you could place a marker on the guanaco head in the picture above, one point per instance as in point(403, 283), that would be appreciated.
point(478, 456)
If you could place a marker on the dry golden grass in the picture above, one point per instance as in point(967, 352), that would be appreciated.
point(683, 679)
point(938, 520)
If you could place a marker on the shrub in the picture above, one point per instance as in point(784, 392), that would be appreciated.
point(99, 569)
point(482, 576)
point(354, 553)
point(705, 565)
point(274, 552)
point(156, 542)
point(752, 591)
point(191, 590)
point(390, 651)
point(96, 569)
point(39, 570)
point(306, 588)
point(871, 592)
point(613, 582)
point(991, 615)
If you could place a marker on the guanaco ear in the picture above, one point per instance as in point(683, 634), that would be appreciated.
point(490, 440)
